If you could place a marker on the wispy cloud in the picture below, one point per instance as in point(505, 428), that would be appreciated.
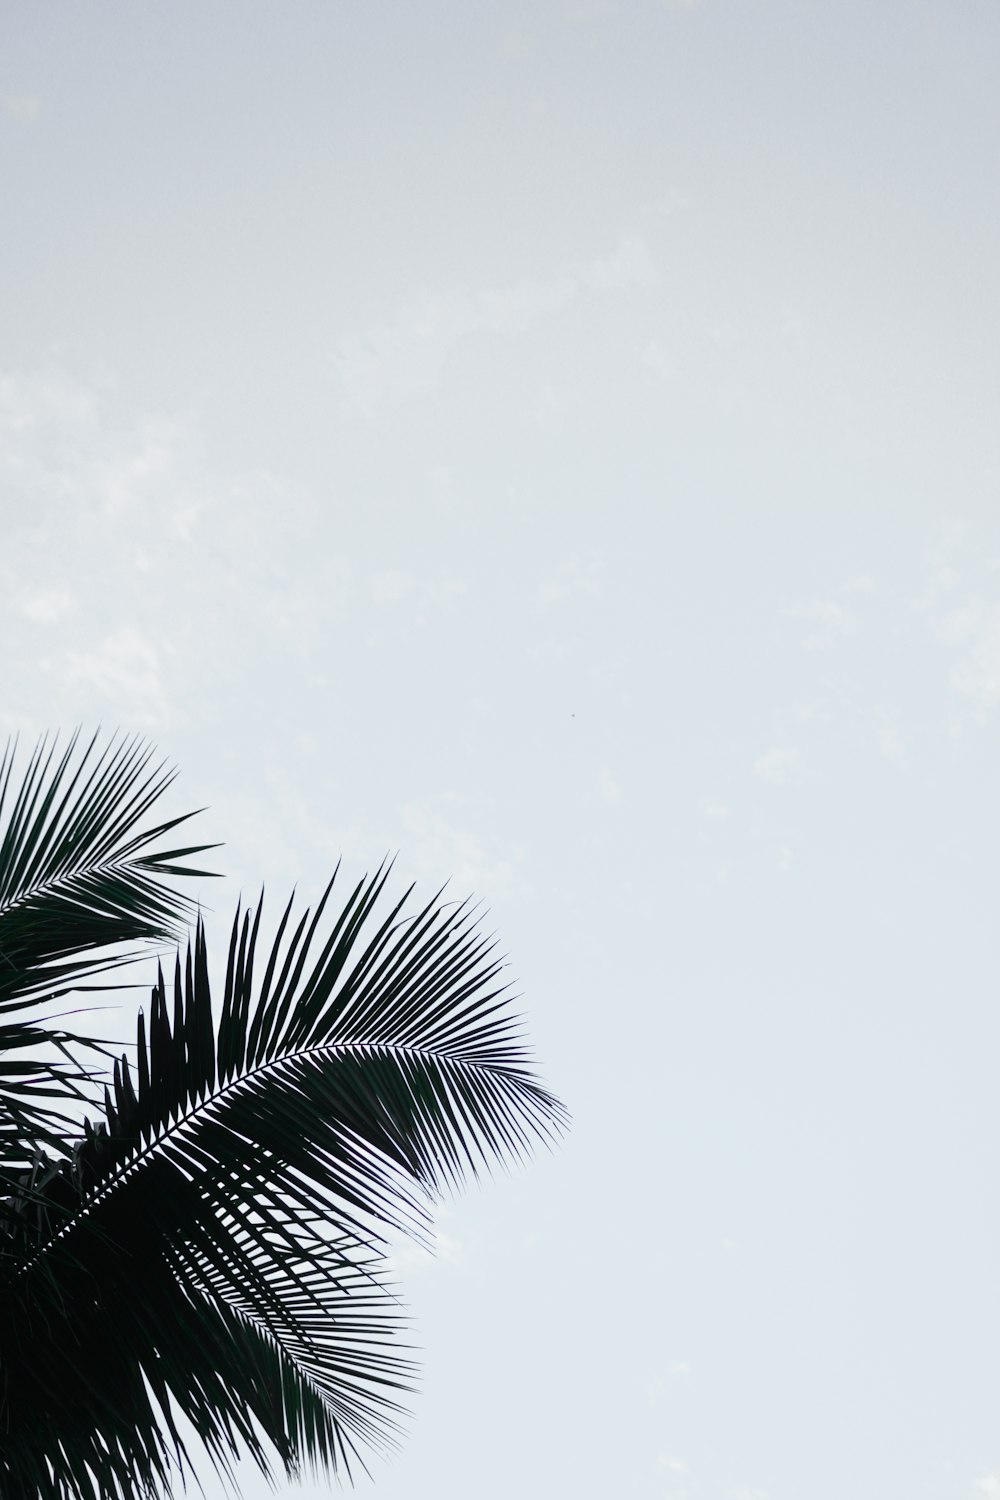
point(390, 586)
point(47, 606)
point(890, 744)
point(440, 847)
point(572, 575)
point(407, 1256)
point(112, 520)
point(123, 671)
point(406, 356)
point(659, 1388)
point(608, 788)
point(974, 628)
point(23, 107)
point(62, 458)
point(779, 765)
point(829, 622)
point(672, 1464)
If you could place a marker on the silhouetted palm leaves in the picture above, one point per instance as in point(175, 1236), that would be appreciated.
point(212, 1247)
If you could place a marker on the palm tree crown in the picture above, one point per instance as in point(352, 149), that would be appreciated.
point(214, 1245)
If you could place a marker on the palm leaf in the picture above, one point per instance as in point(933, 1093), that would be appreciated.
point(216, 1247)
point(82, 881)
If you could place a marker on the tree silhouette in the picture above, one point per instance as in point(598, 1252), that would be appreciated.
point(213, 1245)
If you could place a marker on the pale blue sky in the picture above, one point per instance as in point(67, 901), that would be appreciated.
point(559, 442)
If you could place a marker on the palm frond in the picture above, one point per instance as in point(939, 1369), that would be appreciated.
point(77, 872)
point(82, 882)
point(241, 1184)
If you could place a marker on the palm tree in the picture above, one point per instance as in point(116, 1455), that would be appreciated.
point(213, 1248)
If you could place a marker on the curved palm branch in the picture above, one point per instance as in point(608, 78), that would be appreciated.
point(215, 1247)
point(79, 878)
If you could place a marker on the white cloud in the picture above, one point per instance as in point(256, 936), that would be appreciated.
point(440, 850)
point(23, 107)
point(184, 519)
point(121, 677)
point(48, 606)
point(573, 575)
point(128, 480)
point(551, 403)
point(715, 809)
point(974, 629)
point(406, 357)
point(396, 585)
point(112, 520)
point(71, 470)
point(779, 765)
point(656, 357)
point(989, 1485)
point(672, 1464)
point(830, 622)
point(608, 787)
point(890, 743)
point(658, 1389)
point(814, 711)
point(942, 576)
point(409, 1256)
point(516, 44)
point(43, 402)
point(942, 580)
point(664, 207)
point(390, 586)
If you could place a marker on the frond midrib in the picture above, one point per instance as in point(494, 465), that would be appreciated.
point(117, 864)
point(233, 1086)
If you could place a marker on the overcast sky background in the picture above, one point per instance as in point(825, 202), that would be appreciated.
point(559, 442)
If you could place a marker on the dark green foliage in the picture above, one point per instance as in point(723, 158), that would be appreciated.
point(213, 1246)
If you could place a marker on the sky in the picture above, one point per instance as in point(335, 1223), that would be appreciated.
point(558, 443)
